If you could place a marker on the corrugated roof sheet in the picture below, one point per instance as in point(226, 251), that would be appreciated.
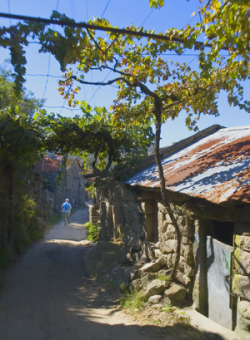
point(51, 163)
point(216, 168)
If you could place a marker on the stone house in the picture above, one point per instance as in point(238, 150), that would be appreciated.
point(208, 183)
point(62, 182)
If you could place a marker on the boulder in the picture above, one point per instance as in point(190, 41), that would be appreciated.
point(243, 242)
point(153, 266)
point(242, 261)
point(168, 246)
point(170, 233)
point(185, 268)
point(157, 245)
point(157, 253)
point(155, 287)
point(187, 253)
point(154, 299)
point(186, 240)
point(187, 230)
point(138, 284)
point(176, 293)
point(241, 285)
point(135, 285)
point(243, 326)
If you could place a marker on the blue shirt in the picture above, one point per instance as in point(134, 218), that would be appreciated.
point(66, 207)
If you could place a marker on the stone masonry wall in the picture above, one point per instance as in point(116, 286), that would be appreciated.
point(168, 241)
point(241, 283)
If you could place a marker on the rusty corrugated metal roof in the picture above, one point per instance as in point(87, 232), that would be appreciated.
point(216, 168)
point(51, 163)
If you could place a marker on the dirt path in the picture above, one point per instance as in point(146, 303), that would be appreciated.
point(48, 295)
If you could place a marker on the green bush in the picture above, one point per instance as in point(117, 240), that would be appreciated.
point(93, 231)
point(132, 301)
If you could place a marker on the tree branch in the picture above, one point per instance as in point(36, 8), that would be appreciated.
point(93, 39)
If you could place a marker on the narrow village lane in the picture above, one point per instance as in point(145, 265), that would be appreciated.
point(48, 294)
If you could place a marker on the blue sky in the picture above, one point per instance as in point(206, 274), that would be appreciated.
point(176, 13)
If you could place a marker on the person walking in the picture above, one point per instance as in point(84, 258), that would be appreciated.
point(66, 208)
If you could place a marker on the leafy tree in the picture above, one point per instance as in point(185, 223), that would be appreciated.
point(112, 146)
point(20, 147)
point(149, 88)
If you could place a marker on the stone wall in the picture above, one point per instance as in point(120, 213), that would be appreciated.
point(139, 218)
point(241, 283)
point(168, 241)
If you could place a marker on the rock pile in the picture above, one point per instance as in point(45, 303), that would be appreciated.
point(154, 283)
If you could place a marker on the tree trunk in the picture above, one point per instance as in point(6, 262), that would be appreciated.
point(165, 199)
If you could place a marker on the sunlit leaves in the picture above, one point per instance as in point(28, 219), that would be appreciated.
point(156, 3)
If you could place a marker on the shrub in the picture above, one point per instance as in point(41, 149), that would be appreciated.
point(93, 231)
point(132, 301)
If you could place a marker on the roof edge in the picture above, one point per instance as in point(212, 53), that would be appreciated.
point(172, 149)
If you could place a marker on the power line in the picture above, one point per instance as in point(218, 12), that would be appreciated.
point(47, 79)
point(105, 8)
point(61, 107)
point(57, 4)
point(102, 28)
point(147, 17)
point(42, 75)
point(9, 9)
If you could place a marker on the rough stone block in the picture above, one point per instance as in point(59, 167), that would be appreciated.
point(169, 258)
point(135, 285)
point(187, 230)
point(185, 280)
point(181, 220)
point(185, 268)
point(167, 219)
point(243, 326)
point(155, 287)
point(187, 253)
point(186, 240)
point(243, 242)
point(170, 232)
point(242, 261)
point(157, 253)
point(162, 208)
point(154, 299)
point(176, 293)
point(241, 285)
point(138, 284)
point(168, 246)
point(153, 266)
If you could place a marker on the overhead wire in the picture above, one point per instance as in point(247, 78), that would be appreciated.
point(105, 8)
point(137, 33)
point(147, 16)
point(111, 70)
point(9, 9)
point(47, 78)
